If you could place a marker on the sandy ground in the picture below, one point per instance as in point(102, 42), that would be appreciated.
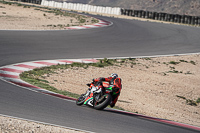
point(149, 87)
point(12, 125)
point(32, 18)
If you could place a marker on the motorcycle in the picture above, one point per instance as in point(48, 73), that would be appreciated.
point(96, 97)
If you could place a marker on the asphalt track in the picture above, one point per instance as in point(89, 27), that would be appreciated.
point(125, 38)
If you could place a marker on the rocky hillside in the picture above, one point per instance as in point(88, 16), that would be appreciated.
point(187, 7)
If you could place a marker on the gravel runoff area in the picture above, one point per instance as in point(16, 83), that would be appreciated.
point(151, 86)
point(18, 16)
point(13, 125)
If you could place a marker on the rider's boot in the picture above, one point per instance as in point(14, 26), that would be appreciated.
point(113, 102)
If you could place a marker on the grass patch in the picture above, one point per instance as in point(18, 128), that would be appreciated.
point(174, 62)
point(94, 20)
point(82, 21)
point(192, 62)
point(198, 100)
point(42, 84)
point(34, 76)
point(183, 61)
point(19, 4)
point(172, 67)
point(147, 58)
point(174, 71)
point(5, 2)
point(188, 72)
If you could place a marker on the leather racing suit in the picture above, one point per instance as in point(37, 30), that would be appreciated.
point(116, 87)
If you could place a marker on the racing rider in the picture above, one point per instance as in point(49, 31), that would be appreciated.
point(115, 82)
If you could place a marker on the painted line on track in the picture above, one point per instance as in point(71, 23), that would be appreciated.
point(101, 23)
point(10, 74)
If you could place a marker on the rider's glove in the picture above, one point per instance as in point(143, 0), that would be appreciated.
point(88, 84)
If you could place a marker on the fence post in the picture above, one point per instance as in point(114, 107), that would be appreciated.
point(198, 21)
point(140, 13)
point(192, 20)
point(189, 19)
point(143, 14)
point(179, 18)
point(151, 15)
point(156, 16)
point(172, 17)
point(163, 16)
point(182, 19)
point(130, 13)
point(147, 14)
point(135, 13)
point(175, 18)
point(168, 17)
point(122, 11)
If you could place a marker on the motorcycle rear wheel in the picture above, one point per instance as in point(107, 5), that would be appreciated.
point(99, 105)
point(80, 100)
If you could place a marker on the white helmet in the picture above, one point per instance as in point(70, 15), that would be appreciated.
point(114, 75)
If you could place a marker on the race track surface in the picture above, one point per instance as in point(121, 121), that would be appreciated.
point(125, 38)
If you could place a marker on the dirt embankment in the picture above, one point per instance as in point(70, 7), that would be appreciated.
point(162, 87)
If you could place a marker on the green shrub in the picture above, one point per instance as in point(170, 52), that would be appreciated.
point(183, 61)
point(173, 62)
point(192, 62)
point(82, 21)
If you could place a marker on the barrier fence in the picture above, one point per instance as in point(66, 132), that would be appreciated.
point(176, 18)
point(82, 7)
point(30, 1)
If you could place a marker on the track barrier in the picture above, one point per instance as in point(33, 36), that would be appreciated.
point(174, 18)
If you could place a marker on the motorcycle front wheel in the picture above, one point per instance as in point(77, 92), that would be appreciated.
point(103, 102)
point(80, 100)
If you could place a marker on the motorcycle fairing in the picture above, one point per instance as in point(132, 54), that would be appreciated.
point(89, 100)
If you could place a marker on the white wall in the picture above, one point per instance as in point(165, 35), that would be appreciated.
point(82, 7)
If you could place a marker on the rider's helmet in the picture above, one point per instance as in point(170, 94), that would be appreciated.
point(114, 75)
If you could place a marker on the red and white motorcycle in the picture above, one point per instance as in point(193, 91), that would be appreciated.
point(96, 97)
